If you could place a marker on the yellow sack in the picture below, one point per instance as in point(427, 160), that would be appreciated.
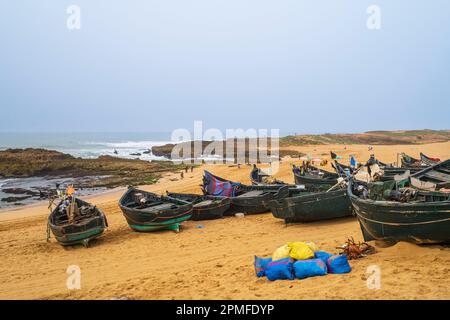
point(300, 251)
point(312, 246)
point(281, 253)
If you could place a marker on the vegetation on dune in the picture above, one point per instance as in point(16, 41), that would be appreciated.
point(370, 137)
point(367, 138)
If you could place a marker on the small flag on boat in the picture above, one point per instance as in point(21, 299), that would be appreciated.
point(70, 190)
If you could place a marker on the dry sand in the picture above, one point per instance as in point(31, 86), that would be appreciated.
point(213, 262)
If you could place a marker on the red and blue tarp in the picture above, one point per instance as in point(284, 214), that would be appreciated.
point(215, 186)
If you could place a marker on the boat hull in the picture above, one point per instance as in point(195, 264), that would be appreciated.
point(81, 232)
point(312, 207)
point(245, 199)
point(257, 178)
point(257, 204)
point(427, 160)
point(154, 218)
point(312, 181)
point(393, 221)
point(204, 207)
point(79, 238)
point(212, 212)
point(171, 224)
point(439, 174)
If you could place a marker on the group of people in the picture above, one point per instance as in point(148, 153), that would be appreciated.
point(186, 170)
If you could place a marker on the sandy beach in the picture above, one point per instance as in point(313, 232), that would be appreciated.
point(212, 259)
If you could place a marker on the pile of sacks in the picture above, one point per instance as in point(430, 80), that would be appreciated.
point(300, 260)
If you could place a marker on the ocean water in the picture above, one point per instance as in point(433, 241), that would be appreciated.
point(89, 145)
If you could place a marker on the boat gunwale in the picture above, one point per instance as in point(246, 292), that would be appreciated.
point(290, 202)
point(100, 215)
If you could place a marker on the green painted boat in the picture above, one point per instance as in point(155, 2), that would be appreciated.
point(423, 217)
point(244, 199)
point(88, 225)
point(437, 175)
point(204, 207)
point(428, 160)
point(260, 178)
point(146, 211)
point(312, 206)
point(313, 178)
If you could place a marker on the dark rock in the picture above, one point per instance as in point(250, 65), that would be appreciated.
point(14, 199)
point(20, 191)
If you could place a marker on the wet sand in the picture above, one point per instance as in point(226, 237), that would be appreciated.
point(215, 261)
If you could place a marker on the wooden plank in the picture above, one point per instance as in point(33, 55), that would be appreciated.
point(204, 203)
point(438, 176)
point(160, 206)
point(443, 170)
point(253, 193)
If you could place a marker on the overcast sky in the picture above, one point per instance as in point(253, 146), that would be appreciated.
point(156, 65)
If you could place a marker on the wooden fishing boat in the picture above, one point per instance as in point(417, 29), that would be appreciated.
point(383, 172)
point(390, 173)
point(146, 211)
point(434, 177)
point(88, 223)
point(204, 207)
point(258, 177)
point(335, 164)
point(422, 217)
point(384, 165)
point(312, 206)
point(312, 177)
point(245, 199)
point(341, 168)
point(410, 162)
point(428, 160)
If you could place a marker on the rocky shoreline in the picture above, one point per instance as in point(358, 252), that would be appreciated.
point(32, 174)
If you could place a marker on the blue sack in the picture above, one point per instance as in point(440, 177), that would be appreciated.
point(338, 264)
point(261, 265)
point(280, 270)
point(322, 255)
point(309, 268)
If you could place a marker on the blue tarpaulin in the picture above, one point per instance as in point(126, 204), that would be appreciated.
point(352, 162)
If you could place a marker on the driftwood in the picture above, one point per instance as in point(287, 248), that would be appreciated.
point(355, 250)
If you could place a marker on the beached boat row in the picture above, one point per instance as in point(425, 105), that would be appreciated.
point(395, 207)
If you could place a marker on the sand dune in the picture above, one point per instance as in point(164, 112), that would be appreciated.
point(216, 261)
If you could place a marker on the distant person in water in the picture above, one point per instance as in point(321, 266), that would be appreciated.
point(115, 151)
